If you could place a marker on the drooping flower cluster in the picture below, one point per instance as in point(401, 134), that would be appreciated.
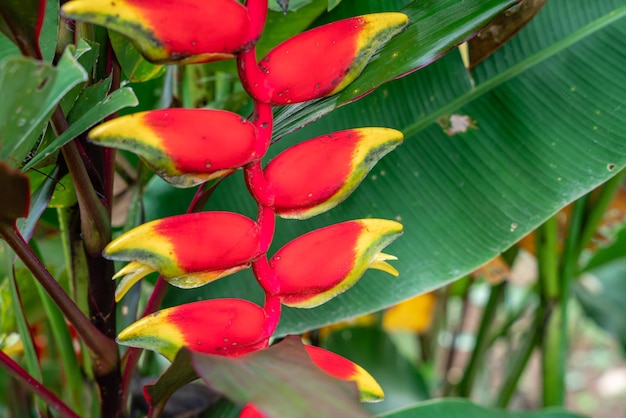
point(187, 147)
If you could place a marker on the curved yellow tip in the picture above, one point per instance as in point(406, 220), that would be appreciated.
point(131, 274)
point(380, 263)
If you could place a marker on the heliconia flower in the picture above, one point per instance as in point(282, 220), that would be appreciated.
point(169, 31)
point(250, 411)
point(337, 51)
point(342, 368)
point(187, 250)
point(321, 264)
point(228, 327)
point(316, 175)
point(184, 146)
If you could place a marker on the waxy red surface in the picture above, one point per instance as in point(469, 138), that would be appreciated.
point(317, 261)
point(313, 171)
point(193, 27)
point(211, 240)
point(204, 141)
point(312, 64)
point(331, 363)
point(229, 327)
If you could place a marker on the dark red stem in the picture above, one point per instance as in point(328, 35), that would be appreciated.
point(35, 386)
point(104, 348)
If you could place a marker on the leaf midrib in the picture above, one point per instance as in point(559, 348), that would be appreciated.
point(516, 70)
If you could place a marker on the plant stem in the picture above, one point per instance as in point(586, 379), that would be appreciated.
point(35, 386)
point(552, 356)
point(482, 340)
point(103, 347)
point(95, 222)
point(596, 210)
point(519, 361)
point(449, 385)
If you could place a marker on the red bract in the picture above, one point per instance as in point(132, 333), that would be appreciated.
point(316, 175)
point(324, 60)
point(317, 266)
point(184, 146)
point(342, 368)
point(188, 31)
point(227, 327)
point(187, 250)
point(250, 411)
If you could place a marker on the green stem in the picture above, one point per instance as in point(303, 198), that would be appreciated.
point(552, 355)
point(94, 218)
point(449, 385)
point(63, 340)
point(518, 363)
point(596, 210)
point(103, 347)
point(482, 340)
point(30, 354)
point(548, 259)
point(35, 386)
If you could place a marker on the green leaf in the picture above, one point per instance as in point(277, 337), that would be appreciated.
point(279, 27)
point(49, 31)
point(44, 188)
point(25, 86)
point(458, 408)
point(601, 293)
point(435, 27)
point(547, 131)
point(21, 21)
point(401, 381)
point(293, 5)
point(7, 48)
point(31, 90)
point(135, 67)
point(606, 254)
point(89, 98)
point(117, 100)
point(332, 4)
point(278, 379)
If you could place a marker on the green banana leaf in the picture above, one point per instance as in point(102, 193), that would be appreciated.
point(460, 408)
point(542, 130)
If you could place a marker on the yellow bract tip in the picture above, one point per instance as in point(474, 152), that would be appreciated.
point(380, 263)
point(132, 273)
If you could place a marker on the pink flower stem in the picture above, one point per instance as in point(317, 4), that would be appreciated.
point(253, 78)
point(257, 10)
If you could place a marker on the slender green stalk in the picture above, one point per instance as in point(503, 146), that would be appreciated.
point(548, 259)
point(482, 340)
point(63, 341)
point(518, 362)
point(449, 385)
point(30, 354)
point(596, 210)
point(35, 386)
point(95, 222)
point(552, 355)
point(103, 347)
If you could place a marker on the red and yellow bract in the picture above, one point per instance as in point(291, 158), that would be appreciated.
point(228, 327)
point(342, 368)
point(324, 60)
point(184, 146)
point(168, 31)
point(187, 250)
point(322, 172)
point(321, 264)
